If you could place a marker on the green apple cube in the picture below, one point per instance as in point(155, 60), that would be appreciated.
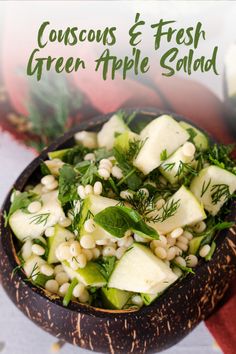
point(122, 141)
point(212, 187)
point(114, 298)
point(140, 271)
point(60, 235)
point(189, 211)
point(90, 275)
point(170, 167)
point(200, 140)
point(28, 225)
point(106, 136)
point(162, 134)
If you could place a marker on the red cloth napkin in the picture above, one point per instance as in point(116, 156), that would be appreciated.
point(185, 97)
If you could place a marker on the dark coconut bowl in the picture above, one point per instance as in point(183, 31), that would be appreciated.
point(154, 328)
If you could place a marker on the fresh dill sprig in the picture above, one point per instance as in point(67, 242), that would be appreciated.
point(89, 175)
point(135, 146)
point(205, 187)
point(143, 205)
point(169, 166)
point(220, 192)
point(169, 209)
point(39, 219)
point(185, 168)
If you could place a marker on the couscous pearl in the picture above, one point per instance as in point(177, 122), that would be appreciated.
point(120, 251)
point(140, 238)
point(191, 260)
point(177, 232)
point(188, 235)
point(74, 264)
point(144, 192)
point(47, 270)
point(63, 289)
point(160, 252)
point(75, 248)
point(178, 251)
point(182, 239)
point(126, 194)
point(78, 290)
point(105, 162)
point(52, 186)
point(171, 253)
point(38, 250)
point(97, 188)
point(81, 192)
point(49, 232)
point(137, 300)
point(89, 157)
point(182, 246)
point(104, 173)
point(46, 180)
point(103, 242)
point(116, 172)
point(77, 207)
point(181, 261)
point(188, 149)
point(52, 286)
point(88, 254)
point(26, 250)
point(89, 225)
point(204, 250)
point(84, 297)
point(200, 227)
point(82, 260)
point(88, 189)
point(63, 251)
point(129, 241)
point(96, 252)
point(170, 240)
point(59, 268)
point(62, 278)
point(108, 251)
point(34, 207)
point(163, 239)
point(160, 203)
point(65, 222)
point(87, 242)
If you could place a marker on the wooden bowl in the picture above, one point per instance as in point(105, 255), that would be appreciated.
point(154, 328)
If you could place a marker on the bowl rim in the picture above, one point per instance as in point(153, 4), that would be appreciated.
point(21, 181)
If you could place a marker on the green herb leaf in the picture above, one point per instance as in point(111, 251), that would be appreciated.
point(107, 264)
point(164, 155)
point(44, 169)
point(220, 192)
point(68, 180)
point(90, 175)
point(211, 252)
point(68, 296)
point(119, 219)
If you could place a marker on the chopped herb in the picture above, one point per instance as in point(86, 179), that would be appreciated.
point(192, 134)
point(135, 146)
point(107, 264)
point(185, 168)
point(205, 187)
point(211, 252)
point(69, 293)
point(68, 181)
point(89, 176)
point(163, 155)
point(220, 192)
point(44, 169)
point(168, 166)
point(40, 219)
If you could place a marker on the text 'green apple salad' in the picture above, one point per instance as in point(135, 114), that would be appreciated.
point(119, 217)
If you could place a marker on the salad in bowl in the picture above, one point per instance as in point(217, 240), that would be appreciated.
point(123, 214)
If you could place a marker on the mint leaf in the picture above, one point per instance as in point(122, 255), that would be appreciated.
point(119, 219)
